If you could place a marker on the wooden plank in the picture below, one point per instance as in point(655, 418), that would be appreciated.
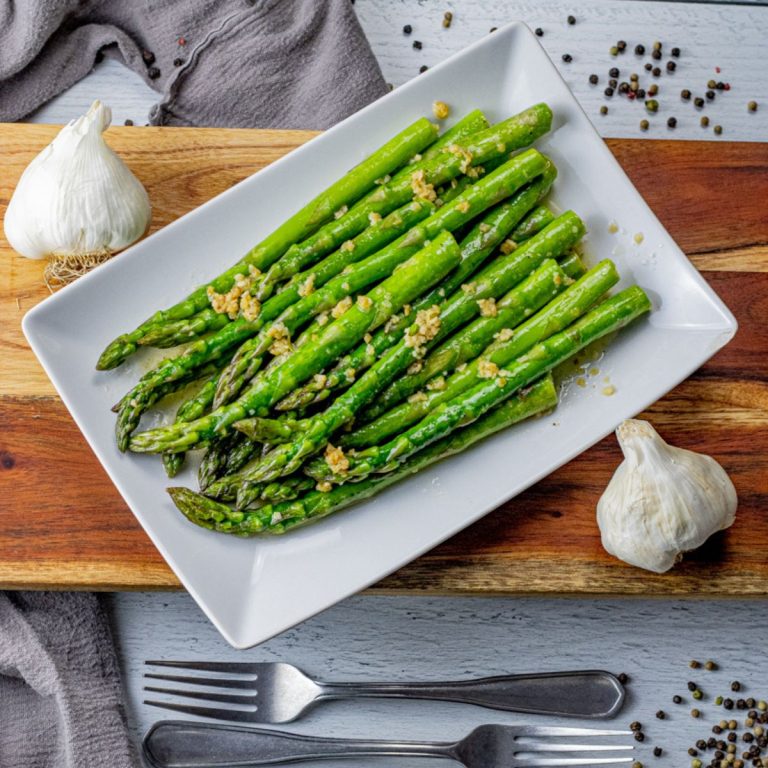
point(62, 524)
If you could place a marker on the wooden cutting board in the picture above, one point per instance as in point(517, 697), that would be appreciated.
point(63, 525)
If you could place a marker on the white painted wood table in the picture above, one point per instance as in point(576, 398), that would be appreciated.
point(368, 638)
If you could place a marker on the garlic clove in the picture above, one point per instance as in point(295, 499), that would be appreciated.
point(77, 197)
point(662, 501)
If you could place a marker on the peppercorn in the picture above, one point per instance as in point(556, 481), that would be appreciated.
point(655, 54)
point(614, 72)
point(594, 79)
point(713, 84)
point(148, 56)
point(692, 752)
point(621, 45)
point(639, 50)
point(407, 29)
point(624, 88)
point(613, 50)
point(696, 763)
point(539, 32)
point(691, 686)
point(685, 94)
point(635, 726)
point(720, 85)
point(656, 46)
point(676, 699)
point(710, 95)
point(732, 736)
point(671, 66)
point(716, 729)
point(567, 58)
point(661, 714)
point(571, 20)
point(418, 45)
point(658, 751)
point(697, 694)
point(736, 686)
point(761, 705)
point(675, 52)
point(423, 68)
point(653, 89)
point(648, 66)
point(641, 93)
point(699, 102)
point(748, 737)
point(447, 19)
point(603, 110)
point(634, 87)
point(613, 83)
point(694, 712)
point(608, 92)
point(728, 703)
point(128, 122)
point(711, 741)
point(750, 702)
point(637, 764)
point(741, 704)
point(178, 62)
point(639, 736)
point(653, 106)
point(493, 29)
point(153, 73)
point(656, 72)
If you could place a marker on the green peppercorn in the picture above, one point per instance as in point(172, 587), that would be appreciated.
point(711, 84)
point(762, 705)
point(696, 763)
point(614, 51)
point(752, 106)
point(697, 694)
point(705, 122)
point(603, 110)
point(652, 105)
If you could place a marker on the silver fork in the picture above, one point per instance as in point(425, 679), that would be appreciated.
point(173, 744)
point(279, 693)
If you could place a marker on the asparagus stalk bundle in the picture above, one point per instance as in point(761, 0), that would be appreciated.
point(362, 343)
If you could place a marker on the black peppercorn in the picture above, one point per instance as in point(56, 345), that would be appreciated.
point(178, 62)
point(748, 737)
point(148, 56)
point(716, 729)
point(727, 703)
point(691, 686)
point(614, 72)
point(418, 45)
point(493, 29)
point(656, 72)
point(685, 94)
point(677, 699)
point(720, 85)
point(571, 20)
point(699, 102)
point(608, 92)
point(655, 54)
point(675, 52)
point(741, 704)
point(624, 88)
point(732, 736)
point(661, 714)
point(635, 726)
point(710, 665)
point(567, 58)
point(623, 678)
point(407, 29)
point(594, 79)
point(621, 45)
point(735, 685)
point(641, 93)
point(671, 66)
point(613, 83)
point(128, 122)
point(423, 68)
point(692, 752)
point(153, 73)
point(539, 32)
point(701, 744)
point(710, 95)
point(658, 751)
point(639, 50)
point(639, 736)
point(648, 66)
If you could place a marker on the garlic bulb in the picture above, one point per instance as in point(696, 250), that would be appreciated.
point(77, 198)
point(662, 501)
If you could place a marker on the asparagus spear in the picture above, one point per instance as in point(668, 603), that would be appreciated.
point(300, 256)
point(280, 517)
point(476, 248)
point(557, 315)
point(216, 346)
point(214, 461)
point(524, 299)
point(240, 455)
point(346, 190)
point(498, 185)
point(454, 312)
point(607, 317)
point(534, 222)
point(471, 340)
point(423, 269)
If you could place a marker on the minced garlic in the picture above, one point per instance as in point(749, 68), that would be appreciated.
point(350, 374)
point(465, 154)
point(427, 327)
point(487, 370)
point(323, 487)
point(364, 302)
point(437, 384)
point(338, 214)
point(440, 110)
point(374, 218)
point(463, 206)
point(282, 340)
point(505, 334)
point(341, 307)
point(487, 307)
point(250, 307)
point(508, 246)
point(418, 397)
point(483, 227)
point(308, 286)
point(320, 380)
point(337, 462)
point(420, 186)
point(348, 246)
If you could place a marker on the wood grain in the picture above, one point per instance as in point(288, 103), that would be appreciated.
point(62, 524)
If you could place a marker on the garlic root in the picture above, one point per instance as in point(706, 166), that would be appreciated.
point(662, 501)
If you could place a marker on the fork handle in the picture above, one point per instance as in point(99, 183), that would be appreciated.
point(571, 694)
point(177, 744)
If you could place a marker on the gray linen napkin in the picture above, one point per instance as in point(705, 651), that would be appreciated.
point(271, 64)
point(60, 697)
point(234, 63)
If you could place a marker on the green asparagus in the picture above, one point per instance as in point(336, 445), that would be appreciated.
point(557, 315)
point(413, 277)
point(346, 190)
point(280, 517)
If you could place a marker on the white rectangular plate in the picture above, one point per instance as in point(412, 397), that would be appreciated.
point(253, 589)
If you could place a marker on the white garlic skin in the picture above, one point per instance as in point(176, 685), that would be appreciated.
point(662, 501)
point(77, 197)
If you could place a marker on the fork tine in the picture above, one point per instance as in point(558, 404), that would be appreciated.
point(208, 666)
point(546, 730)
point(558, 761)
point(236, 715)
point(216, 682)
point(222, 698)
